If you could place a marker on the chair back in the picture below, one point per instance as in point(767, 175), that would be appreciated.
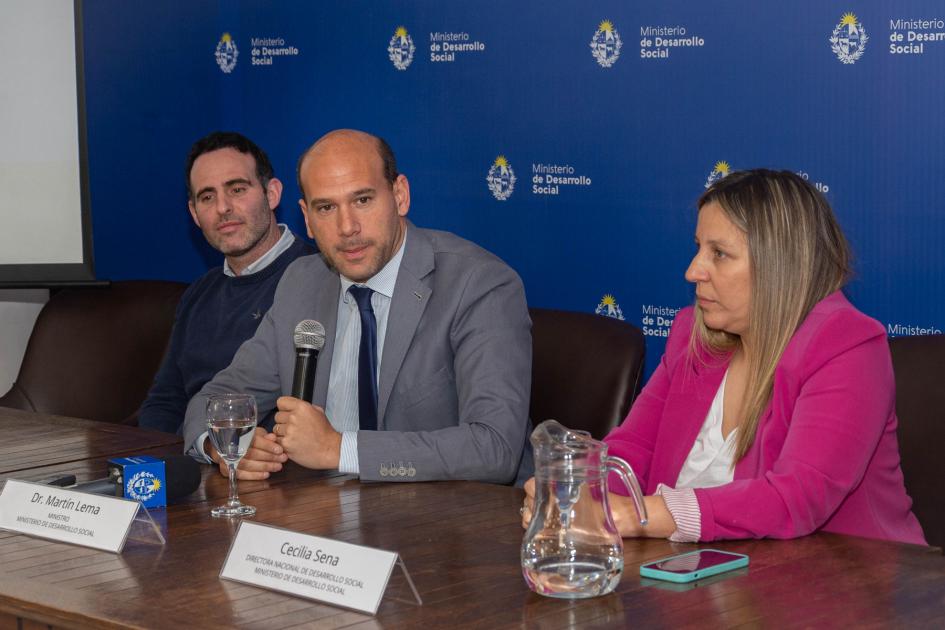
point(94, 351)
point(586, 369)
point(919, 364)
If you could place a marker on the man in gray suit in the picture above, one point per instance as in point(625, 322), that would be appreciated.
point(426, 369)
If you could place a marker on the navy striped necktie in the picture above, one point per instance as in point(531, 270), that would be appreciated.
point(367, 359)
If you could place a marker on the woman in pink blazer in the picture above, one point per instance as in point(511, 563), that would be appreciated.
point(772, 412)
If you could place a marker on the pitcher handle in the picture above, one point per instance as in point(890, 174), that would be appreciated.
point(626, 474)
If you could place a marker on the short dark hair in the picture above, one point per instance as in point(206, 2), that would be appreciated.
point(229, 140)
point(388, 160)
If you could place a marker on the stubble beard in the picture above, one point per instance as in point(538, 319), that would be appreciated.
point(256, 234)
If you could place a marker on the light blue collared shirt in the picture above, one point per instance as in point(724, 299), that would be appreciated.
point(285, 242)
point(341, 406)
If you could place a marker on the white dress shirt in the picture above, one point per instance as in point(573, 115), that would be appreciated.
point(285, 242)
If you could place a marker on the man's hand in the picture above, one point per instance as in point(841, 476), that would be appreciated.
point(263, 457)
point(306, 435)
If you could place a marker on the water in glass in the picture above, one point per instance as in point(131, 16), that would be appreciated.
point(231, 423)
point(232, 437)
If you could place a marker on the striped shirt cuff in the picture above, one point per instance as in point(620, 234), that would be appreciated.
point(684, 506)
point(196, 449)
point(348, 458)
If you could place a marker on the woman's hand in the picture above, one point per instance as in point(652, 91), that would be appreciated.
point(660, 523)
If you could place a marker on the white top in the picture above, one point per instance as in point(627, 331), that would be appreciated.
point(709, 463)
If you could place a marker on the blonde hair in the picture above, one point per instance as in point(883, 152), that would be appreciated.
point(797, 257)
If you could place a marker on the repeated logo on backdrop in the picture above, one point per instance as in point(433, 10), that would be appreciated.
point(226, 53)
point(608, 307)
point(547, 179)
point(264, 51)
point(400, 49)
point(848, 40)
point(445, 46)
point(606, 44)
point(267, 49)
point(657, 320)
point(501, 179)
point(720, 170)
point(656, 42)
point(559, 168)
point(552, 179)
point(908, 37)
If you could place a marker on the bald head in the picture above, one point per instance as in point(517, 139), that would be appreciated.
point(345, 142)
point(352, 208)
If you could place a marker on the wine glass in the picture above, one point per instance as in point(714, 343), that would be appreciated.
point(231, 423)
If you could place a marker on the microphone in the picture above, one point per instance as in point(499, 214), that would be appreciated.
point(309, 340)
point(152, 481)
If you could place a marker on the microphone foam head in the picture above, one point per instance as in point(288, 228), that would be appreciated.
point(182, 477)
point(309, 334)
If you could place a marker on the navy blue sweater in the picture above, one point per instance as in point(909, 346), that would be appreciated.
point(215, 316)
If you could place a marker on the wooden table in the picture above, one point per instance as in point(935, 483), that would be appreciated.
point(460, 542)
point(32, 441)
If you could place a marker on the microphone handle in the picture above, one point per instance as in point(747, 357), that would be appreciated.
point(62, 481)
point(303, 379)
point(108, 486)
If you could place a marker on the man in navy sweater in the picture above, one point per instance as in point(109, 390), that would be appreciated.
point(232, 196)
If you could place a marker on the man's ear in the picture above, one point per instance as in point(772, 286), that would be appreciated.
point(402, 195)
point(308, 228)
point(274, 192)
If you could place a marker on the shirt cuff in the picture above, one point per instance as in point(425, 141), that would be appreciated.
point(684, 507)
point(348, 458)
point(196, 449)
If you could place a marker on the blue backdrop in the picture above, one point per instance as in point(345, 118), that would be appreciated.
point(612, 118)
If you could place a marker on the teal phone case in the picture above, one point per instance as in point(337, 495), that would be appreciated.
point(649, 569)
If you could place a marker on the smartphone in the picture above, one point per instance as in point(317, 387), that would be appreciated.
point(688, 567)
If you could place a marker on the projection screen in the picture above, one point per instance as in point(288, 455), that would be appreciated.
point(45, 223)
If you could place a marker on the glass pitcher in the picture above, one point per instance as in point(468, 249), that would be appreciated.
point(572, 548)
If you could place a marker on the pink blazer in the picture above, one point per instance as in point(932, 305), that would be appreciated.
point(825, 457)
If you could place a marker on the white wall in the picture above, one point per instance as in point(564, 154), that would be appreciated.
point(18, 311)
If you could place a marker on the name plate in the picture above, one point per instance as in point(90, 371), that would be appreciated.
point(316, 568)
point(79, 518)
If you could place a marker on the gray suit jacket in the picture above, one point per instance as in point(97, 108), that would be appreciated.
point(455, 376)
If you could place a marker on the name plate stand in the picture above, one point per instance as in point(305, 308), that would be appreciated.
point(77, 518)
point(321, 569)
